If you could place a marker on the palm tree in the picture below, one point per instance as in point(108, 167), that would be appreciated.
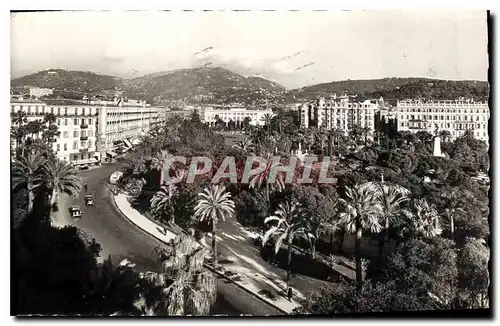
point(19, 130)
point(308, 136)
point(182, 287)
point(161, 205)
point(214, 204)
point(453, 209)
point(245, 145)
point(390, 197)
point(258, 179)
point(362, 212)
point(149, 146)
point(425, 219)
point(335, 138)
point(26, 173)
point(267, 121)
point(445, 135)
point(60, 177)
point(158, 163)
point(365, 133)
point(325, 221)
point(290, 225)
point(356, 133)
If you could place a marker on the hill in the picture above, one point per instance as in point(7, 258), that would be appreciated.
point(395, 89)
point(60, 79)
point(219, 85)
point(207, 84)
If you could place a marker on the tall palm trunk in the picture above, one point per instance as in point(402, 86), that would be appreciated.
point(359, 235)
point(53, 198)
point(214, 243)
point(162, 176)
point(341, 240)
point(313, 247)
point(268, 199)
point(385, 236)
point(31, 198)
point(289, 270)
point(452, 227)
point(331, 240)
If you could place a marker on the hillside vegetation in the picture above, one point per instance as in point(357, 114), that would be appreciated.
point(219, 85)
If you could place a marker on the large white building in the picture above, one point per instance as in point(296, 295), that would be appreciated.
point(90, 130)
point(339, 113)
point(39, 92)
point(454, 116)
point(77, 124)
point(125, 121)
point(237, 114)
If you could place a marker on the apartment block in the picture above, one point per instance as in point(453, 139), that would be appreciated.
point(339, 113)
point(237, 114)
point(454, 116)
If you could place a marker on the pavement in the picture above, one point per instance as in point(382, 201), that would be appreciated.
point(121, 239)
point(240, 260)
point(243, 269)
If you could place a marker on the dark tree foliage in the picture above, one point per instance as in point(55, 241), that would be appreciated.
point(368, 297)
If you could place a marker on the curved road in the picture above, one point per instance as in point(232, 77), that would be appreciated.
point(121, 239)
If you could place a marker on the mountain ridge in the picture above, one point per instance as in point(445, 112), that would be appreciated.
point(220, 85)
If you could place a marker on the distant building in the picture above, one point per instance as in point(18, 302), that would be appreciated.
point(454, 116)
point(90, 130)
point(37, 92)
point(339, 113)
point(125, 121)
point(237, 114)
point(76, 123)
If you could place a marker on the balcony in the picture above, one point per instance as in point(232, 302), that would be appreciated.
point(84, 138)
point(85, 126)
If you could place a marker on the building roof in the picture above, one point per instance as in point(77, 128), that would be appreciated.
point(27, 100)
point(64, 102)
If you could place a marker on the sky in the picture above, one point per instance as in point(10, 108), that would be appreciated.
point(296, 49)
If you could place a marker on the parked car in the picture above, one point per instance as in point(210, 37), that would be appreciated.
point(89, 200)
point(115, 177)
point(75, 211)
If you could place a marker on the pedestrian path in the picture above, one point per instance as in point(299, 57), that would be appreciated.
point(142, 222)
point(242, 272)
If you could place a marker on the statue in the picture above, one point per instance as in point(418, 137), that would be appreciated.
point(436, 131)
point(437, 143)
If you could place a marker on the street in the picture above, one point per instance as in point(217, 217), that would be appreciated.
point(121, 239)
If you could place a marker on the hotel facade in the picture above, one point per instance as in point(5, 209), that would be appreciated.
point(454, 116)
point(210, 114)
point(91, 131)
point(124, 122)
point(339, 113)
point(76, 123)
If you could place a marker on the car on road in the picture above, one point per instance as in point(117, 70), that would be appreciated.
point(89, 200)
point(115, 177)
point(75, 211)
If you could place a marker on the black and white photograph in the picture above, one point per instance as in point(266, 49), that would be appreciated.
point(290, 163)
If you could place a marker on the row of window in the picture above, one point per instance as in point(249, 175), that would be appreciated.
point(455, 133)
point(441, 117)
point(443, 110)
point(349, 109)
point(39, 109)
point(119, 113)
point(445, 125)
point(76, 122)
point(82, 133)
point(83, 144)
point(350, 105)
